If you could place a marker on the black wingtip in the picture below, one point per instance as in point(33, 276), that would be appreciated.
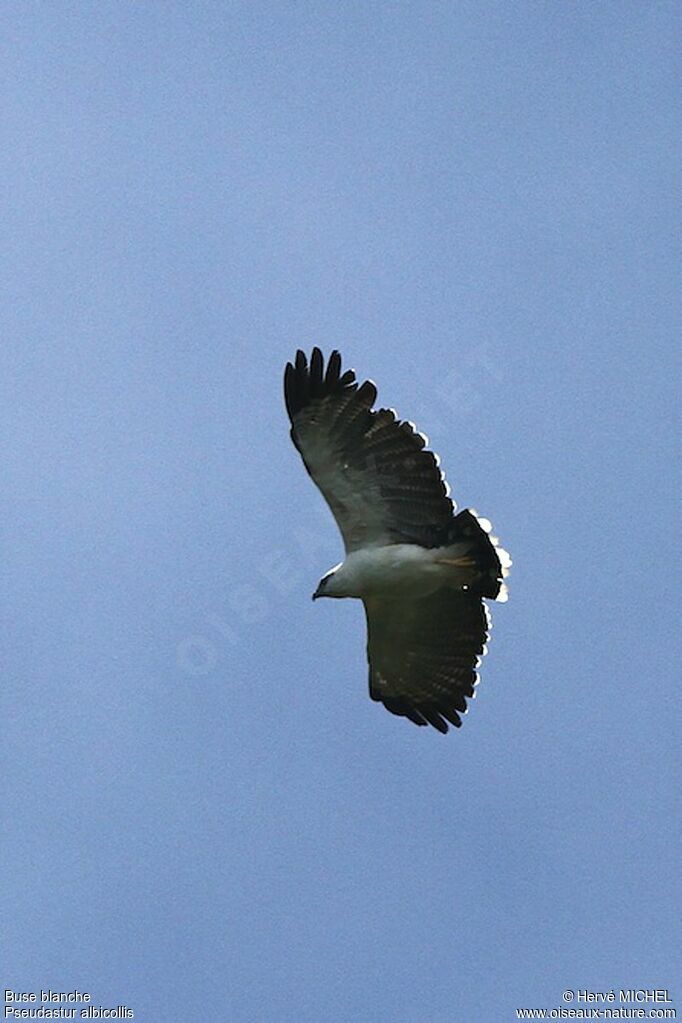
point(421, 714)
point(306, 381)
point(333, 369)
point(290, 388)
point(434, 718)
point(316, 371)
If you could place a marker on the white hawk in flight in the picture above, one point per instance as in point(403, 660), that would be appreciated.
point(421, 570)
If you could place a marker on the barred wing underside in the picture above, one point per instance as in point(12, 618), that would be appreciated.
point(423, 654)
point(374, 472)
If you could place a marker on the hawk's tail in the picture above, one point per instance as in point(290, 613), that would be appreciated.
point(491, 561)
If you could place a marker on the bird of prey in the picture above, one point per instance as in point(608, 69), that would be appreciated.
point(421, 570)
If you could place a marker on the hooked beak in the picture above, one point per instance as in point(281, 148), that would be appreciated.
point(316, 594)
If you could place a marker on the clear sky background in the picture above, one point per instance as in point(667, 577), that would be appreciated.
point(478, 204)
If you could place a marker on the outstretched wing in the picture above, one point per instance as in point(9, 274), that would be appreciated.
point(423, 654)
point(381, 484)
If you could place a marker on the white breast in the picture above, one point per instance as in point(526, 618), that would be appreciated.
point(384, 570)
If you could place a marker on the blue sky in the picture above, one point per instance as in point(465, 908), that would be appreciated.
point(478, 204)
